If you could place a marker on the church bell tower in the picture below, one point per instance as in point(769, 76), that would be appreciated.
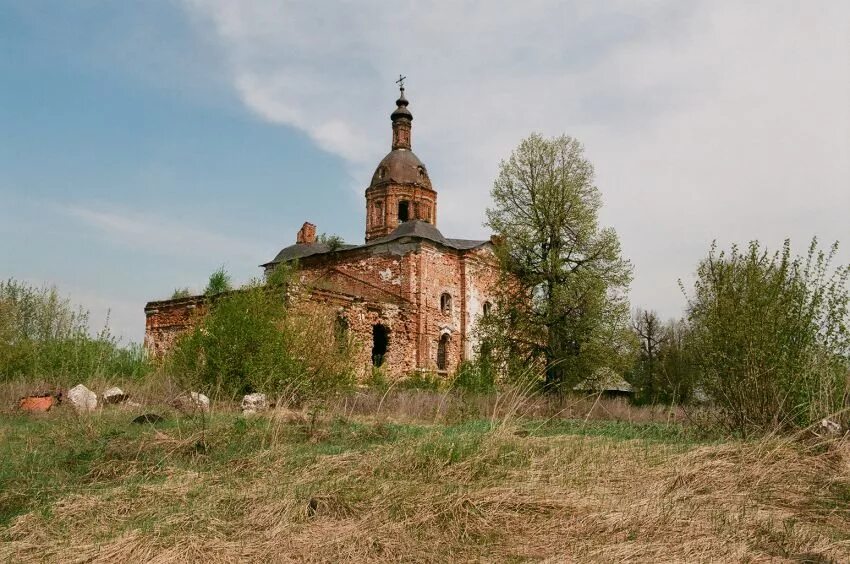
point(400, 190)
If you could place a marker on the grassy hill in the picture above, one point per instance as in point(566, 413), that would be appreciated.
point(360, 488)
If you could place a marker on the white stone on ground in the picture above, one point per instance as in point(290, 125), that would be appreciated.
point(192, 402)
point(829, 427)
point(114, 395)
point(253, 403)
point(82, 398)
point(201, 401)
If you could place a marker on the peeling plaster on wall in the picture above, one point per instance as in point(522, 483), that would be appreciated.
point(397, 285)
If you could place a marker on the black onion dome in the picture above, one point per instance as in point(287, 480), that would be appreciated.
point(401, 110)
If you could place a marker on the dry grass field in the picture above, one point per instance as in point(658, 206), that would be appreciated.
point(361, 484)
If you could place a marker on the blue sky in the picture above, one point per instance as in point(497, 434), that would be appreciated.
point(128, 167)
point(146, 144)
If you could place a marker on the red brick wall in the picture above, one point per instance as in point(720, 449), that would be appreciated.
point(382, 220)
point(166, 320)
point(398, 286)
point(482, 278)
point(361, 316)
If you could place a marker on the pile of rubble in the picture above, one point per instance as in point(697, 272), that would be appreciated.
point(84, 400)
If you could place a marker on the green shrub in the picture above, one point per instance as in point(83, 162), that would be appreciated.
point(251, 340)
point(421, 380)
point(334, 242)
point(377, 379)
point(477, 377)
point(219, 283)
point(44, 338)
point(768, 334)
point(181, 293)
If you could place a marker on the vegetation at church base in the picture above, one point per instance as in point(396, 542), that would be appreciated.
point(43, 338)
point(252, 341)
point(358, 488)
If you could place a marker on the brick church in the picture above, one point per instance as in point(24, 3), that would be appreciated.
point(409, 296)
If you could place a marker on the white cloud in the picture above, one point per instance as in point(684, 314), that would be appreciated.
point(705, 120)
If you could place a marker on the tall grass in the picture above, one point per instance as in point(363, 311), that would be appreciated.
point(44, 338)
point(348, 490)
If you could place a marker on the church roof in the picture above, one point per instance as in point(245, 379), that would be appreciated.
point(414, 229)
point(301, 250)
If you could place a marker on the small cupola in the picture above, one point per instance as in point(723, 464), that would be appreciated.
point(401, 119)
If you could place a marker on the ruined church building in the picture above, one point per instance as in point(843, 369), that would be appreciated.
point(409, 296)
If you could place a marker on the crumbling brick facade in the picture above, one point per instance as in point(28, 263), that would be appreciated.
point(410, 297)
point(166, 320)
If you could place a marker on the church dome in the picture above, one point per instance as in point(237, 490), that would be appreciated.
point(401, 166)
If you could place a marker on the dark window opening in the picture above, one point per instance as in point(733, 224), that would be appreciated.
point(488, 307)
point(380, 343)
point(442, 352)
point(403, 211)
point(446, 304)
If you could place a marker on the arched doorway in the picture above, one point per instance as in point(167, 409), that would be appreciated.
point(380, 344)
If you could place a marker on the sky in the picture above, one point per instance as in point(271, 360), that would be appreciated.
point(143, 145)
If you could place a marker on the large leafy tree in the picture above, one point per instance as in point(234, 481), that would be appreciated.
point(563, 301)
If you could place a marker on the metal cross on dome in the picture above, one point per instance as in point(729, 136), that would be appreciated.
point(400, 81)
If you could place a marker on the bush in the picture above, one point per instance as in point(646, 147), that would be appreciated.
point(477, 377)
point(252, 341)
point(219, 283)
point(181, 293)
point(334, 242)
point(377, 379)
point(769, 335)
point(43, 337)
point(420, 380)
